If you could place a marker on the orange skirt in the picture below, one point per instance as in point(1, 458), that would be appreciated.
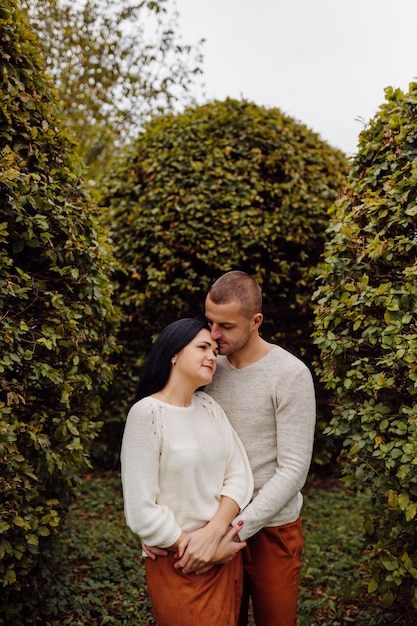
point(211, 599)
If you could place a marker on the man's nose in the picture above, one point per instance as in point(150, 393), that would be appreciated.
point(215, 332)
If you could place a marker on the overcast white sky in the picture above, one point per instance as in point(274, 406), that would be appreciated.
point(323, 62)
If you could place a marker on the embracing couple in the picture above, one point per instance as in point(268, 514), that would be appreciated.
point(212, 478)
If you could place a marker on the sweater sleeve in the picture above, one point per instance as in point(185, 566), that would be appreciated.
point(295, 422)
point(238, 479)
point(154, 523)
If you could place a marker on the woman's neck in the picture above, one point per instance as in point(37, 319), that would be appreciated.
point(177, 395)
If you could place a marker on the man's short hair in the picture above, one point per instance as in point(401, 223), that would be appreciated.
point(237, 286)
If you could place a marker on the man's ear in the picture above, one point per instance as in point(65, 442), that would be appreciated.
point(257, 319)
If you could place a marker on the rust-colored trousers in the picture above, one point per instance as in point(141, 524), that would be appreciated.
point(211, 599)
point(271, 562)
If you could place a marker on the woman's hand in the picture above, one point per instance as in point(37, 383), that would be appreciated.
point(203, 543)
point(213, 552)
point(152, 551)
point(199, 548)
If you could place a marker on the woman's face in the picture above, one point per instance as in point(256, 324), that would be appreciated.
point(197, 361)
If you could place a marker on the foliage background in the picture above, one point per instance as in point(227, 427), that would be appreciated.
point(227, 185)
point(366, 330)
point(223, 186)
point(58, 321)
point(114, 63)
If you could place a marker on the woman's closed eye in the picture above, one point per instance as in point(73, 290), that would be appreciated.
point(206, 348)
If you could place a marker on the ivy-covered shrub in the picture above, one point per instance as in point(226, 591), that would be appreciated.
point(366, 330)
point(227, 185)
point(57, 321)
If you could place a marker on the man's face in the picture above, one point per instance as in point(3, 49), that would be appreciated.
point(228, 326)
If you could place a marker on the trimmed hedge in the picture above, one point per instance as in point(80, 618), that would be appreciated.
point(366, 330)
point(57, 323)
point(227, 185)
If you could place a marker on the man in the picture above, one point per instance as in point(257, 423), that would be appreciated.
point(268, 396)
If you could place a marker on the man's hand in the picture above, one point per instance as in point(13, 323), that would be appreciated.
point(152, 551)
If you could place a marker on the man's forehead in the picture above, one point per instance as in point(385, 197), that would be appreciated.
point(227, 310)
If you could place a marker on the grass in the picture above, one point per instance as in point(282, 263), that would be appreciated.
point(101, 562)
point(99, 578)
point(332, 588)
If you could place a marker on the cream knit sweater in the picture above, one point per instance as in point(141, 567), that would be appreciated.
point(176, 463)
point(271, 405)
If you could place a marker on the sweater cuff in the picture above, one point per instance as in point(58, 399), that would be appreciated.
point(235, 495)
point(171, 539)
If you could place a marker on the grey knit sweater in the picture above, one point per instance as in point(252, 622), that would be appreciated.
point(271, 405)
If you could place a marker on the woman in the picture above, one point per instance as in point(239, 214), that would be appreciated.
point(185, 476)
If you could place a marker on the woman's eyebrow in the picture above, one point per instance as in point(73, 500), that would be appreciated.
point(209, 344)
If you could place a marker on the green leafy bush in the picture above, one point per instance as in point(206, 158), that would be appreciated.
point(227, 185)
point(57, 323)
point(367, 335)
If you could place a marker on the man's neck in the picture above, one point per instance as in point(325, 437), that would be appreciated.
point(250, 353)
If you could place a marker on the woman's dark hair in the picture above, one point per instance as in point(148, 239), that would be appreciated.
point(157, 367)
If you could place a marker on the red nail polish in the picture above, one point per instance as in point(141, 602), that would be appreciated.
point(240, 523)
